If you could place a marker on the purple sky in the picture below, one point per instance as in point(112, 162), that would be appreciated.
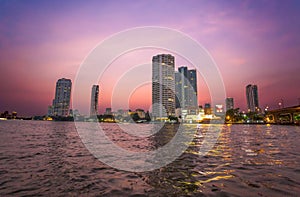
point(251, 41)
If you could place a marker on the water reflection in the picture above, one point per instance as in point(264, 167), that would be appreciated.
point(48, 158)
point(244, 157)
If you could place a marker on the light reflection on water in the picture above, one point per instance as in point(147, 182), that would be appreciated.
point(48, 158)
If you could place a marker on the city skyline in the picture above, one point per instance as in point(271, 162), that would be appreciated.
point(61, 105)
point(251, 42)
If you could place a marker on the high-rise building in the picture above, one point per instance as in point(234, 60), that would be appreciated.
point(50, 110)
point(61, 102)
point(229, 103)
point(186, 88)
point(252, 98)
point(94, 100)
point(163, 86)
point(193, 95)
point(108, 111)
point(219, 110)
point(181, 87)
point(207, 109)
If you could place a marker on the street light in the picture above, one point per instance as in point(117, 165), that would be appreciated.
point(266, 108)
point(281, 104)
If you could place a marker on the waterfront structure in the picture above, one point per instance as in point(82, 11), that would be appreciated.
point(108, 111)
point(186, 88)
point(178, 112)
point(94, 100)
point(163, 86)
point(61, 102)
point(288, 115)
point(141, 113)
point(50, 110)
point(5, 115)
point(74, 112)
point(229, 103)
point(207, 109)
point(122, 112)
point(252, 98)
point(219, 111)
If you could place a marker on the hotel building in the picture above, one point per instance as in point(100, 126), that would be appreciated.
point(61, 102)
point(163, 86)
point(94, 100)
point(252, 98)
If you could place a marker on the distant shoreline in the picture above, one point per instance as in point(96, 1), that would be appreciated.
point(154, 122)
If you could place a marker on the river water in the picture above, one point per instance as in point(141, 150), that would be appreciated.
point(49, 159)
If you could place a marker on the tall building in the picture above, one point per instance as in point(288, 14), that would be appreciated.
point(61, 102)
point(163, 86)
point(108, 111)
point(50, 110)
point(252, 98)
point(229, 103)
point(219, 110)
point(94, 100)
point(193, 95)
point(181, 87)
point(207, 109)
point(186, 88)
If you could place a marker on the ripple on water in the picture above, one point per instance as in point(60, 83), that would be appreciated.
point(48, 158)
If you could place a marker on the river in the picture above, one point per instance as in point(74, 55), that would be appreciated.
point(45, 158)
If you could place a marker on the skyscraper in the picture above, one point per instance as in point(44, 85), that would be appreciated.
point(207, 109)
point(193, 95)
point(229, 103)
point(186, 88)
point(94, 100)
point(252, 98)
point(163, 86)
point(61, 102)
point(181, 87)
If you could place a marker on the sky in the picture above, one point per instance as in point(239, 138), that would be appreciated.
point(252, 42)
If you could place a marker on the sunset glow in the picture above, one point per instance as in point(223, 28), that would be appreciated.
point(251, 42)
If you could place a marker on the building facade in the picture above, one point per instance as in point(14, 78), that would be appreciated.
point(207, 109)
point(229, 103)
point(163, 86)
point(94, 100)
point(252, 98)
point(219, 110)
point(193, 94)
point(108, 111)
point(61, 102)
point(186, 88)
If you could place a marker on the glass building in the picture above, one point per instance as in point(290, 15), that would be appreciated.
point(252, 98)
point(186, 88)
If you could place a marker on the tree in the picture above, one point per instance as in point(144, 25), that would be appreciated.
point(233, 115)
point(135, 117)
